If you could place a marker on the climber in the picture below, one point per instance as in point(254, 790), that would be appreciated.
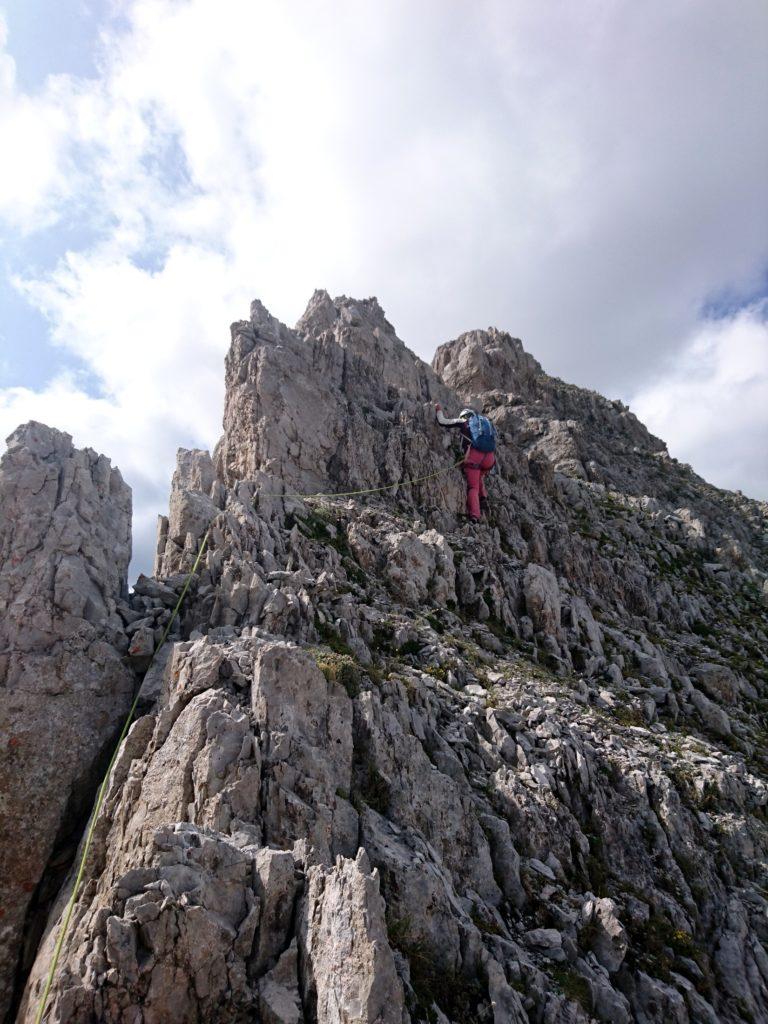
point(478, 435)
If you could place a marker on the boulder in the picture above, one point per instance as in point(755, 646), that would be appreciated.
point(718, 682)
point(542, 599)
point(713, 717)
point(608, 937)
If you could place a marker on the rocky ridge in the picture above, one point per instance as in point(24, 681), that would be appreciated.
point(65, 543)
point(397, 768)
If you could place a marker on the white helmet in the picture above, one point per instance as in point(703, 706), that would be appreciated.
point(467, 413)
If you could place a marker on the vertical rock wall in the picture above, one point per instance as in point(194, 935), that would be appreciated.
point(339, 399)
point(65, 522)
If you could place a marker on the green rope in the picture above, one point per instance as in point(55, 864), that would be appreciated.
point(126, 725)
point(103, 792)
point(366, 490)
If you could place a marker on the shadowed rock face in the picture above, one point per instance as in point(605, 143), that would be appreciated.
point(395, 768)
point(64, 550)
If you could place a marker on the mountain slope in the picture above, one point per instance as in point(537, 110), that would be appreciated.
point(398, 767)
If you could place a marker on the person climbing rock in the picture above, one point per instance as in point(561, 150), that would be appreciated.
point(478, 436)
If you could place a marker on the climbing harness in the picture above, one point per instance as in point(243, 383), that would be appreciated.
point(103, 792)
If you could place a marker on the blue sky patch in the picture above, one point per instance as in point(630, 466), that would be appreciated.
point(726, 304)
point(54, 38)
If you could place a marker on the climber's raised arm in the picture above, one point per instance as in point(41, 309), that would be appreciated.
point(444, 421)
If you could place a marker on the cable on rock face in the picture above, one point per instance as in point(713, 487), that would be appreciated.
point(364, 490)
point(103, 792)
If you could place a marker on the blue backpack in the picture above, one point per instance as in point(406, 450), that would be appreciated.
point(482, 432)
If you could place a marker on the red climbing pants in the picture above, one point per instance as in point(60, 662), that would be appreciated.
point(476, 465)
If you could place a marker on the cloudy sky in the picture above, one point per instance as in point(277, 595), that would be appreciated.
point(590, 176)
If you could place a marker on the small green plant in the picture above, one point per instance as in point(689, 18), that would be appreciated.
point(339, 668)
point(682, 942)
point(320, 525)
point(744, 1011)
point(456, 995)
point(656, 942)
point(353, 570)
point(627, 716)
point(500, 631)
point(437, 672)
point(485, 922)
point(701, 629)
point(573, 986)
point(372, 788)
point(375, 675)
point(596, 869)
point(331, 639)
point(410, 647)
point(398, 930)
point(382, 639)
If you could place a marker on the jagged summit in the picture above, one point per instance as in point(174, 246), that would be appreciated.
point(392, 768)
point(480, 361)
point(323, 312)
point(328, 403)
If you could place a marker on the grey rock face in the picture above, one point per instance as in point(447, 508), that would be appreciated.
point(398, 768)
point(206, 922)
point(610, 938)
point(542, 599)
point(64, 551)
point(481, 361)
point(350, 968)
point(339, 400)
point(192, 507)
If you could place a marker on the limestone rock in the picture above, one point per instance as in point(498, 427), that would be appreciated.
point(418, 565)
point(64, 548)
point(713, 717)
point(542, 598)
point(481, 361)
point(392, 767)
point(349, 966)
point(279, 995)
point(192, 510)
point(339, 399)
point(718, 681)
point(609, 938)
point(306, 747)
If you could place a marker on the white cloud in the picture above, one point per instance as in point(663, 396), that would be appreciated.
point(34, 133)
point(713, 401)
point(154, 343)
point(584, 175)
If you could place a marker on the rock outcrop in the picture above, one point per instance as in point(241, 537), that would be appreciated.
point(338, 401)
point(65, 523)
point(398, 768)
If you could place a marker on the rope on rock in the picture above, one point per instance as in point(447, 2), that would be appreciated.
point(366, 490)
point(103, 792)
point(132, 711)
